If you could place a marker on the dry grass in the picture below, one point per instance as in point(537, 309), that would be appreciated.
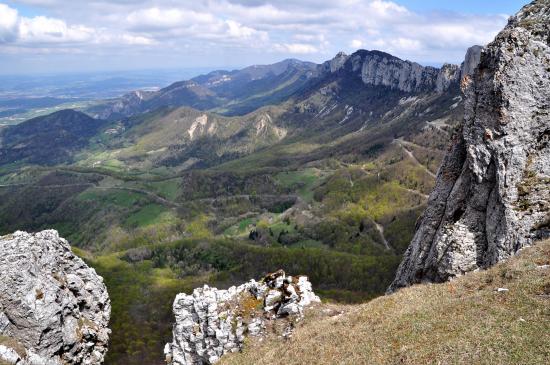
point(461, 322)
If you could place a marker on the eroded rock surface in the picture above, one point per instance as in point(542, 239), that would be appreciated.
point(54, 309)
point(212, 322)
point(492, 193)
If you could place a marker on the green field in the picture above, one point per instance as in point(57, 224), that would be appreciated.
point(148, 215)
point(302, 182)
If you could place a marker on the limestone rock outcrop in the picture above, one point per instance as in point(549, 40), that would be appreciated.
point(492, 194)
point(382, 69)
point(335, 64)
point(470, 61)
point(212, 322)
point(54, 309)
point(379, 68)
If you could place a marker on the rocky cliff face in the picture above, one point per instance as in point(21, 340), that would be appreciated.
point(53, 308)
point(382, 69)
point(491, 196)
point(212, 322)
point(470, 61)
point(378, 68)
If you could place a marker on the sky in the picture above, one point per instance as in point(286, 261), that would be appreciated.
point(55, 36)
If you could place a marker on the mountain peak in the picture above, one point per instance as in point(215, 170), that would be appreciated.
point(337, 62)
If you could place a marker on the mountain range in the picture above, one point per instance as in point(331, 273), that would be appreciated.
point(241, 91)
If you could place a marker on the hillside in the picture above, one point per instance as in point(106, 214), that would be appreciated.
point(497, 316)
point(49, 139)
point(355, 152)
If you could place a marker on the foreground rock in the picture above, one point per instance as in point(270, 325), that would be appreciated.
point(212, 322)
point(54, 309)
point(491, 196)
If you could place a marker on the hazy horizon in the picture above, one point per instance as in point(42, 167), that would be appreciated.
point(192, 71)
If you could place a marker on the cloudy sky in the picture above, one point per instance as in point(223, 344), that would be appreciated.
point(90, 35)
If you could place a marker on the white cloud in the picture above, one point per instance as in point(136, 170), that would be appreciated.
point(215, 31)
point(158, 18)
point(444, 33)
point(42, 30)
point(356, 44)
point(237, 30)
point(296, 48)
point(8, 24)
point(406, 43)
point(174, 23)
point(137, 40)
point(386, 9)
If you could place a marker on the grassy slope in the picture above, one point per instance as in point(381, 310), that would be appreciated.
point(465, 321)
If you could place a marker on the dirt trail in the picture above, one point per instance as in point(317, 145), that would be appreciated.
point(380, 229)
point(402, 143)
point(425, 196)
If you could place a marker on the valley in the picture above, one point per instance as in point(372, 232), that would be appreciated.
point(310, 168)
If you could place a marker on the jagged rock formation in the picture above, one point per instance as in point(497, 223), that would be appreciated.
point(382, 69)
point(335, 64)
point(379, 68)
point(471, 61)
point(54, 309)
point(491, 196)
point(212, 322)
